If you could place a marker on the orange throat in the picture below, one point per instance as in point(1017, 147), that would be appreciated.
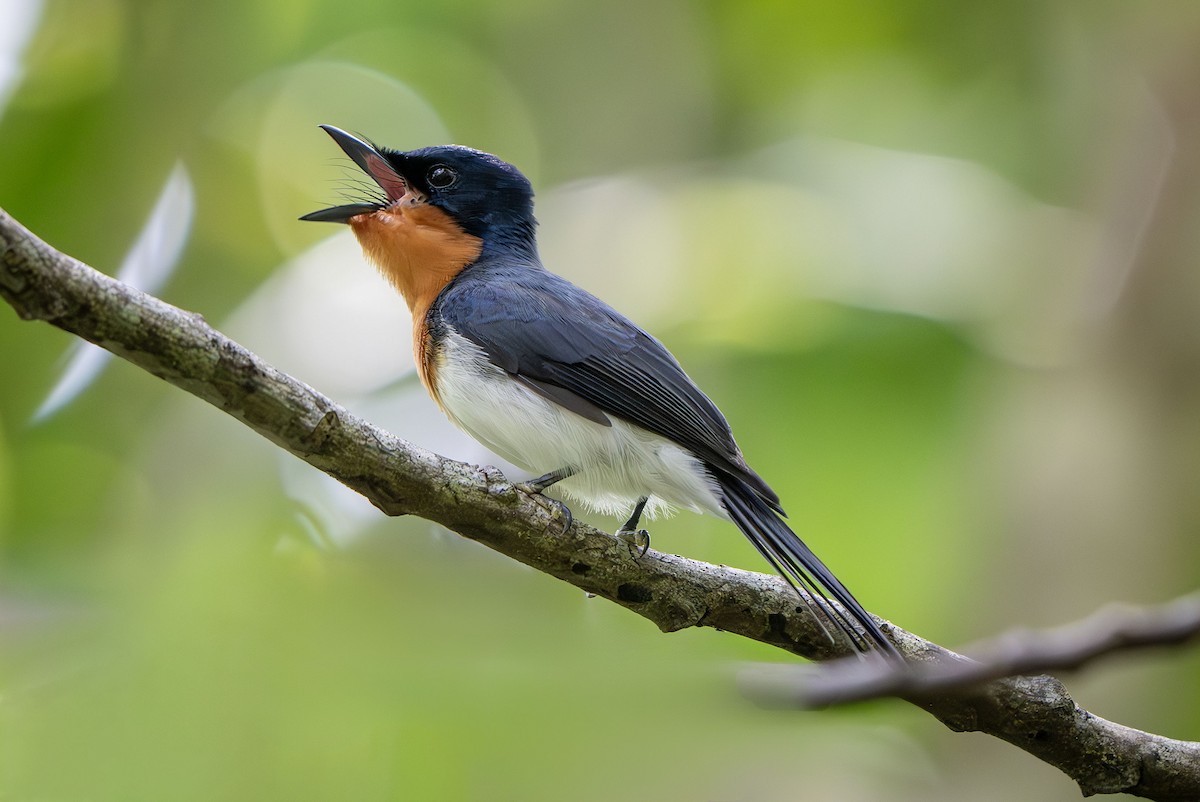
point(419, 249)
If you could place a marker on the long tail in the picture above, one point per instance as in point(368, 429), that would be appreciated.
point(796, 563)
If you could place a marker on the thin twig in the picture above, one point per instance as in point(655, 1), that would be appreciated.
point(1116, 628)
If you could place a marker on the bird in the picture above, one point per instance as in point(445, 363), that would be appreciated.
point(550, 377)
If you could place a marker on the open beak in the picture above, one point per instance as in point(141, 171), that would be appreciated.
point(374, 164)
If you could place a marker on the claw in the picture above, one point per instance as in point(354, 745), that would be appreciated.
point(635, 539)
point(568, 516)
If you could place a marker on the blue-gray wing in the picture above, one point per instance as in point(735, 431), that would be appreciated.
point(577, 351)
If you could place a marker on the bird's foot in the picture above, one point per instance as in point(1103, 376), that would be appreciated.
point(636, 539)
point(558, 508)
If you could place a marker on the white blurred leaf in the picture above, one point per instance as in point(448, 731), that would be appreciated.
point(147, 266)
point(21, 19)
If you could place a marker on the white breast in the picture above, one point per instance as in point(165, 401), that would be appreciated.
point(616, 465)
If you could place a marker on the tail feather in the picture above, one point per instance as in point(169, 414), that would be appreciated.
point(797, 564)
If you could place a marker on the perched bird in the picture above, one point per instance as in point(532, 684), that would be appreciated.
point(549, 376)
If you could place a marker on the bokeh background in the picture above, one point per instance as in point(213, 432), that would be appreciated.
point(937, 262)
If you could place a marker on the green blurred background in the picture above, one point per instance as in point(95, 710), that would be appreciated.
point(936, 261)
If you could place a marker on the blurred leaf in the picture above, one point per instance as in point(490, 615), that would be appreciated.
point(147, 266)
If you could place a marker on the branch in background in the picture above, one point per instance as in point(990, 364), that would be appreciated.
point(1117, 628)
point(1034, 713)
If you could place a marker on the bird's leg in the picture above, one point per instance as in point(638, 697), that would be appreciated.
point(535, 487)
point(635, 538)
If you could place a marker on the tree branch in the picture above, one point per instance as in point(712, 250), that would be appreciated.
point(1113, 629)
point(1034, 713)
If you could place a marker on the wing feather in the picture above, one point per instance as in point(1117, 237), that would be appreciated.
point(577, 351)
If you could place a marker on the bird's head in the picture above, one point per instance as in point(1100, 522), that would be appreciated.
point(486, 198)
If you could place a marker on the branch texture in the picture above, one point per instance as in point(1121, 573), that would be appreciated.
point(1034, 713)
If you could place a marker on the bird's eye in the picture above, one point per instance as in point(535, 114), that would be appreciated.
point(440, 176)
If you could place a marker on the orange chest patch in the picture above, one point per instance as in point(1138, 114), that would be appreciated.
point(419, 249)
point(427, 356)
